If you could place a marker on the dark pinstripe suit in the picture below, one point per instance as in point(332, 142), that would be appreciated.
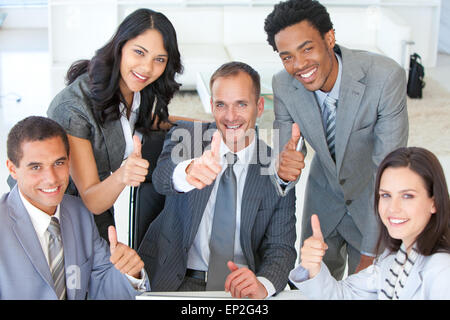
point(267, 220)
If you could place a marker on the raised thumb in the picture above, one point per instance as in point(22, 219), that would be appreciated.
point(215, 144)
point(137, 146)
point(232, 266)
point(112, 236)
point(315, 225)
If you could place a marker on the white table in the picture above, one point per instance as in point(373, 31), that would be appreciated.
point(213, 295)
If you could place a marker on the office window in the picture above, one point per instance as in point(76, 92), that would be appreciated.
point(22, 3)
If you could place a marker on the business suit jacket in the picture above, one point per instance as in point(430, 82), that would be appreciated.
point(24, 271)
point(429, 279)
point(371, 121)
point(267, 220)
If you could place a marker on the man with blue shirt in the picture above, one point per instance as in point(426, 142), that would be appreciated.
point(350, 106)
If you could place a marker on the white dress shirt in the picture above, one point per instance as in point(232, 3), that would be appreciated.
point(41, 221)
point(198, 255)
point(128, 124)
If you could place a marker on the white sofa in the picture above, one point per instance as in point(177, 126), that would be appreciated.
point(210, 36)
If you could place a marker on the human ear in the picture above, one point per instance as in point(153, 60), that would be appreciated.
point(11, 168)
point(433, 207)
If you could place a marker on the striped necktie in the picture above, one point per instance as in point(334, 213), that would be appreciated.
point(223, 229)
point(330, 131)
point(56, 258)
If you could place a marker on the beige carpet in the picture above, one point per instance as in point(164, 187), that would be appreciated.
point(429, 117)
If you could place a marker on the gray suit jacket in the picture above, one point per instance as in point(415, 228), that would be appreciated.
point(371, 121)
point(267, 222)
point(24, 271)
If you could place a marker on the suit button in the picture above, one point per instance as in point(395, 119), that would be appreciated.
point(348, 202)
point(180, 276)
point(342, 182)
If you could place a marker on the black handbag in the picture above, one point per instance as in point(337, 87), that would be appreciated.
point(415, 78)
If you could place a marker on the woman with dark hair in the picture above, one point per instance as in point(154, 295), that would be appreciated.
point(111, 102)
point(413, 209)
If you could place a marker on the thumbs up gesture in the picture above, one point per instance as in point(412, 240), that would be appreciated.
point(313, 249)
point(202, 171)
point(290, 161)
point(135, 168)
point(124, 259)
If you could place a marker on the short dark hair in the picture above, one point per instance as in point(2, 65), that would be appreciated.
point(32, 128)
point(436, 235)
point(291, 12)
point(233, 68)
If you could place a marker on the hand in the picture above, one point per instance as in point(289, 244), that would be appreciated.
point(124, 259)
point(202, 171)
point(364, 262)
point(313, 249)
point(242, 282)
point(290, 161)
point(135, 168)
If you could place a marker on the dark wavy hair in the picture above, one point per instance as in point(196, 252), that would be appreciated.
point(436, 235)
point(291, 12)
point(104, 72)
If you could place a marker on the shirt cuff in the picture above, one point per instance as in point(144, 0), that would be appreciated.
point(138, 284)
point(268, 285)
point(298, 275)
point(179, 177)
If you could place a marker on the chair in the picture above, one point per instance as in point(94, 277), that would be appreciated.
point(145, 202)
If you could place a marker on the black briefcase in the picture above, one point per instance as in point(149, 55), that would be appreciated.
point(415, 78)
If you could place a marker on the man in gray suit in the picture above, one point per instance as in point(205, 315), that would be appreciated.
point(350, 106)
point(180, 248)
point(49, 245)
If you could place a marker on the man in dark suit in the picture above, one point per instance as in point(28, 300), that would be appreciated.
point(180, 249)
point(50, 247)
point(350, 106)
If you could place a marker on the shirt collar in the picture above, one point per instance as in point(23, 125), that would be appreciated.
point(334, 93)
point(244, 155)
point(134, 106)
point(39, 218)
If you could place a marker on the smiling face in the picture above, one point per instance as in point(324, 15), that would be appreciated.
point(405, 207)
point(144, 60)
point(307, 56)
point(43, 173)
point(235, 108)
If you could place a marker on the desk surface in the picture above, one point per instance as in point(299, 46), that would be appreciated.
point(212, 295)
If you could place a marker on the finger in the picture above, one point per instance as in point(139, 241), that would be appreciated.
point(315, 225)
point(112, 236)
point(295, 133)
point(232, 266)
point(295, 136)
point(215, 145)
point(137, 146)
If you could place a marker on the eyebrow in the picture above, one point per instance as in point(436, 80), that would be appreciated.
point(299, 47)
point(401, 191)
point(32, 164)
point(159, 55)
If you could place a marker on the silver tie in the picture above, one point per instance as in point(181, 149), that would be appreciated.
point(56, 258)
point(330, 131)
point(223, 230)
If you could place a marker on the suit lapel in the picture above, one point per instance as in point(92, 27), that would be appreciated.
point(26, 234)
point(115, 143)
point(251, 199)
point(69, 243)
point(309, 117)
point(350, 96)
point(414, 280)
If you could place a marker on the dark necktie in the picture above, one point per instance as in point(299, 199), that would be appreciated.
point(56, 258)
point(221, 242)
